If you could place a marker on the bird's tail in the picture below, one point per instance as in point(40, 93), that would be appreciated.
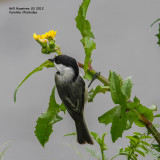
point(83, 135)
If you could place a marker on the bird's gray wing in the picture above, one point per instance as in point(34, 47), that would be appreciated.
point(73, 96)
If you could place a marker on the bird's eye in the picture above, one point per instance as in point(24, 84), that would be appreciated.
point(57, 61)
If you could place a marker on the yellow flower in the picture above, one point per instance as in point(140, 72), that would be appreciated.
point(50, 34)
point(43, 40)
point(36, 37)
point(43, 36)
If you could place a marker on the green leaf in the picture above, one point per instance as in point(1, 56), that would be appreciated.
point(118, 124)
point(158, 36)
point(107, 117)
point(85, 28)
point(88, 76)
point(127, 87)
point(99, 140)
point(137, 133)
point(158, 115)
point(94, 92)
point(136, 100)
point(71, 134)
point(135, 139)
point(46, 64)
point(145, 143)
point(94, 135)
point(156, 125)
point(82, 24)
point(103, 145)
point(143, 147)
point(47, 119)
point(115, 87)
point(156, 147)
point(140, 109)
point(155, 22)
point(140, 152)
point(89, 45)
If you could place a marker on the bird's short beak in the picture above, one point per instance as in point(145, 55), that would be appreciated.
point(52, 60)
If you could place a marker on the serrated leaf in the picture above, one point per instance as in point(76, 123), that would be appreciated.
point(115, 87)
point(107, 117)
point(89, 45)
point(118, 124)
point(94, 92)
point(88, 76)
point(47, 119)
point(127, 87)
point(136, 100)
point(46, 64)
point(85, 28)
point(82, 24)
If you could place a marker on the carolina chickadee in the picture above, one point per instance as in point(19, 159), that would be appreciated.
point(73, 93)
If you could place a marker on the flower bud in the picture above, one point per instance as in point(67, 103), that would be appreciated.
point(44, 50)
point(52, 44)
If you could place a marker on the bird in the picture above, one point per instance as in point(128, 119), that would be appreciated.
point(73, 92)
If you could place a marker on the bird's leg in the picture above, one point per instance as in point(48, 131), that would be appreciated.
point(94, 77)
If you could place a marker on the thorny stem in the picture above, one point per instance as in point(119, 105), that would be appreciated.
point(145, 121)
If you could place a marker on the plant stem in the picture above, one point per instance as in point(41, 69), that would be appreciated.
point(99, 77)
point(145, 121)
point(115, 156)
point(151, 128)
point(102, 153)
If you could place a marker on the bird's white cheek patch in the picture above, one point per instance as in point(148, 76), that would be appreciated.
point(59, 67)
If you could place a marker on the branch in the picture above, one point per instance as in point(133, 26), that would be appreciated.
point(144, 120)
point(99, 77)
point(151, 128)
